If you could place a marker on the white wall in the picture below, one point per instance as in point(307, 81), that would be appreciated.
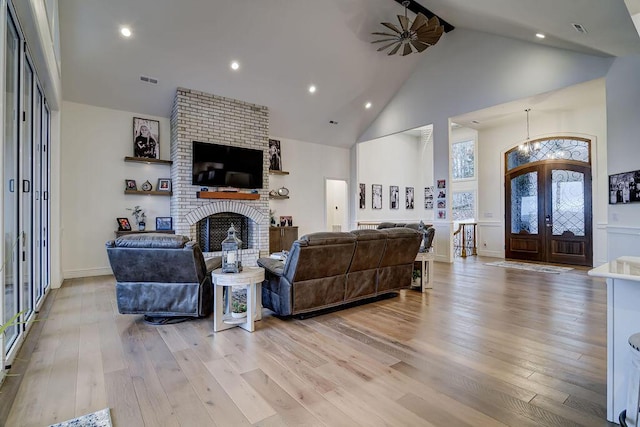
point(588, 121)
point(623, 150)
point(94, 143)
point(392, 160)
point(308, 165)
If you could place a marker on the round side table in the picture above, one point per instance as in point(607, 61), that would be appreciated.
point(249, 278)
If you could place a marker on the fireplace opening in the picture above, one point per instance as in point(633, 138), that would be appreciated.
point(212, 230)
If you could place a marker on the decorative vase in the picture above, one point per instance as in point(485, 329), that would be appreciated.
point(141, 226)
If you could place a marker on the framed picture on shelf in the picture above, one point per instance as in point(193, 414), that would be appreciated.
point(130, 184)
point(164, 223)
point(164, 184)
point(275, 155)
point(286, 221)
point(123, 224)
point(146, 138)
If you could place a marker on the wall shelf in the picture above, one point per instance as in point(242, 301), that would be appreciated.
point(148, 161)
point(227, 195)
point(278, 197)
point(274, 172)
point(149, 193)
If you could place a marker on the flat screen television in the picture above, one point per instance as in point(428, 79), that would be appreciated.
point(219, 165)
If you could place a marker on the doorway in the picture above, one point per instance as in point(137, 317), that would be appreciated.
point(548, 209)
point(336, 216)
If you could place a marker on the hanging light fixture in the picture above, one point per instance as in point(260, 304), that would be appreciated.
point(416, 36)
point(527, 147)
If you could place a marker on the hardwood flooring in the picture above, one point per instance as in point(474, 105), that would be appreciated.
point(487, 346)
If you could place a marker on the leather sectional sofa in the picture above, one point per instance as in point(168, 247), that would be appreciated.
point(328, 269)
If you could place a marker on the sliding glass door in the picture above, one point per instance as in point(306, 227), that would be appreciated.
point(25, 194)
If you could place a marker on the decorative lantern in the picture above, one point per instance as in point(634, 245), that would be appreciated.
point(231, 262)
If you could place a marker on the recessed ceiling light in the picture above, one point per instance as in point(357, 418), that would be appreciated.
point(125, 31)
point(312, 89)
point(367, 105)
point(540, 35)
point(235, 65)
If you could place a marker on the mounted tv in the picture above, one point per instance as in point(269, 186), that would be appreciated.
point(219, 165)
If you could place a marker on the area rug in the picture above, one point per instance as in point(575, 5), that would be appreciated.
point(542, 268)
point(100, 418)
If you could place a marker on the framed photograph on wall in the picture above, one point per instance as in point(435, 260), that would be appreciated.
point(428, 197)
point(275, 155)
point(123, 224)
point(146, 138)
point(409, 197)
point(164, 184)
point(394, 197)
point(376, 196)
point(164, 223)
point(624, 187)
point(363, 195)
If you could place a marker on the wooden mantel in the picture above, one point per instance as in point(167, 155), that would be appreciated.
point(227, 195)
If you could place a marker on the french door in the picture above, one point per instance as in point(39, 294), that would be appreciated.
point(548, 208)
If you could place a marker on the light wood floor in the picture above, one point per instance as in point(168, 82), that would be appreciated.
point(487, 346)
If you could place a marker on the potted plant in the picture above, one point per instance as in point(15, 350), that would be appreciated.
point(238, 309)
point(417, 275)
point(139, 215)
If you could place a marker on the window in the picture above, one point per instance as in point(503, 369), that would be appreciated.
point(463, 160)
point(463, 205)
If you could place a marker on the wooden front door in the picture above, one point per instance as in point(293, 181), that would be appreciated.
point(548, 212)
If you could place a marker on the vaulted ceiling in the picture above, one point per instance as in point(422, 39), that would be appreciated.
point(285, 46)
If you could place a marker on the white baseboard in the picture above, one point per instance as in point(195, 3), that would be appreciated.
point(86, 272)
point(493, 254)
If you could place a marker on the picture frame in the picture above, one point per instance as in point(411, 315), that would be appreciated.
point(409, 197)
point(442, 183)
point(428, 197)
point(376, 196)
point(130, 184)
point(164, 223)
point(146, 138)
point(624, 188)
point(394, 197)
point(363, 196)
point(164, 184)
point(123, 224)
point(275, 155)
point(286, 221)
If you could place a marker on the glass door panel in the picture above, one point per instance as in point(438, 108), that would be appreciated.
point(26, 174)
point(37, 197)
point(524, 203)
point(567, 202)
point(10, 180)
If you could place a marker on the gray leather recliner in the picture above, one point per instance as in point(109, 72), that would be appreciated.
point(163, 276)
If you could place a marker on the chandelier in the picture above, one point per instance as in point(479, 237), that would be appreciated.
point(411, 37)
point(527, 147)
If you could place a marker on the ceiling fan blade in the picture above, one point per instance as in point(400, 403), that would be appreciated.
point(407, 49)
point(395, 49)
point(392, 27)
point(404, 22)
point(386, 46)
point(428, 40)
point(419, 22)
point(395, 39)
point(385, 34)
point(419, 45)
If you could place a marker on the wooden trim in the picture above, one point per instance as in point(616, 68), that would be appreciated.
point(227, 195)
point(278, 197)
point(275, 172)
point(148, 161)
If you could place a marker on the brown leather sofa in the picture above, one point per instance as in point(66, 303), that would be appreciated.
point(325, 270)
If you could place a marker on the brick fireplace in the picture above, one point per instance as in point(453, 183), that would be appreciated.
point(199, 116)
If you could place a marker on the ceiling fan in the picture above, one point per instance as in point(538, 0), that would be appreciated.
point(411, 37)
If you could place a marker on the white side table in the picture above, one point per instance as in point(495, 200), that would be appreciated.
point(427, 269)
point(251, 279)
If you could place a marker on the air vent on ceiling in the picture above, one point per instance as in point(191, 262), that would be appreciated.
point(333, 122)
point(148, 79)
point(579, 28)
